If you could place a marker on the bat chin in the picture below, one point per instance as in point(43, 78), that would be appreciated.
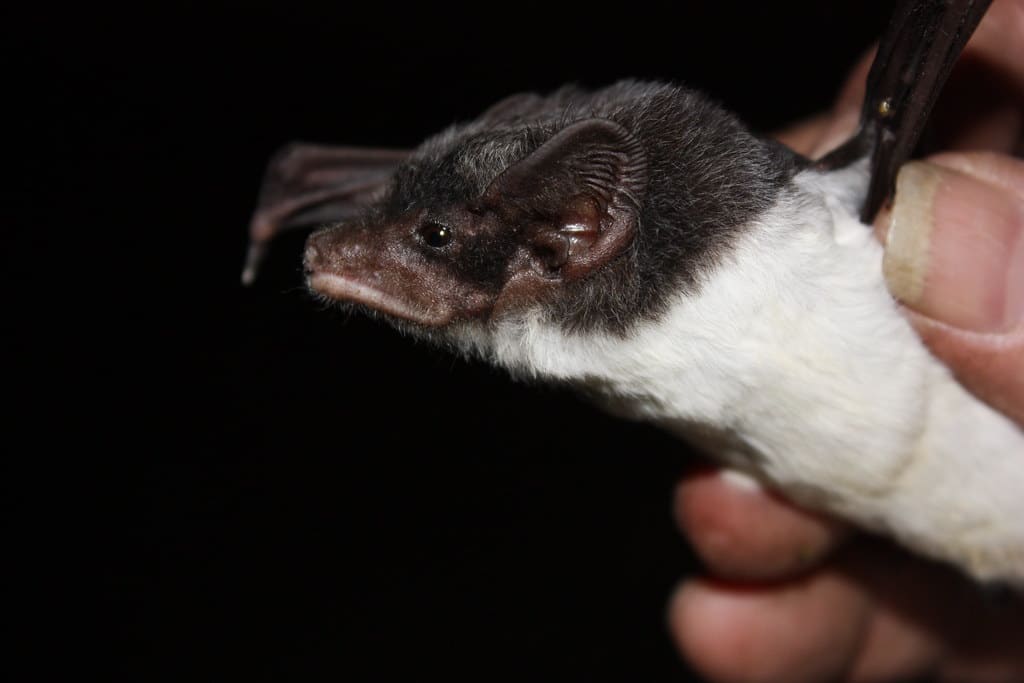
point(341, 288)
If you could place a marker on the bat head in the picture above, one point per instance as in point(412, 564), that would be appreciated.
point(593, 209)
point(554, 217)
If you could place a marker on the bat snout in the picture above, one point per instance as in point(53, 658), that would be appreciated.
point(326, 252)
point(312, 259)
point(336, 250)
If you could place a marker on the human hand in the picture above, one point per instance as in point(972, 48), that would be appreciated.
point(795, 597)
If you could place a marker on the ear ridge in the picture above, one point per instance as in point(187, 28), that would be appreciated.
point(625, 172)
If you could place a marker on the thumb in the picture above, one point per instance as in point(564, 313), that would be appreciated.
point(954, 256)
point(954, 249)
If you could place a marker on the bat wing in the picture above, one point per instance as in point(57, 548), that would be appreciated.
point(309, 184)
point(921, 43)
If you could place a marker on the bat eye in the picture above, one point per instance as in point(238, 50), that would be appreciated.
point(435, 235)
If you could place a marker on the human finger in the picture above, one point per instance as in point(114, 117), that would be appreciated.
point(743, 532)
point(806, 630)
point(954, 256)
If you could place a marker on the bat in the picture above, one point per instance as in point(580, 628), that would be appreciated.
point(639, 244)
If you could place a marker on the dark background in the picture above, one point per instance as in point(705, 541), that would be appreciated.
point(224, 483)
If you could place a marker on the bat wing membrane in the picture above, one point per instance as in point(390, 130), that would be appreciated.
point(307, 185)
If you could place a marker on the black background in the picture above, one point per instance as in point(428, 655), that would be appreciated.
point(225, 483)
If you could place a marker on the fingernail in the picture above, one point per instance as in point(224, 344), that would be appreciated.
point(954, 249)
point(740, 480)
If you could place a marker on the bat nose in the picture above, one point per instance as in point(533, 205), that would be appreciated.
point(313, 259)
point(335, 246)
point(340, 248)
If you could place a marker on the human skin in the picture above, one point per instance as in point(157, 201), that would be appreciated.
point(794, 597)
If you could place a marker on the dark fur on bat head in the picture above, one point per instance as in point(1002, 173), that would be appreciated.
point(595, 207)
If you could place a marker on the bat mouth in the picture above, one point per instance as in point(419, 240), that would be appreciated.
point(341, 288)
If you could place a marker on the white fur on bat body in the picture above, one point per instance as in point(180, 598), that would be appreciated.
point(799, 368)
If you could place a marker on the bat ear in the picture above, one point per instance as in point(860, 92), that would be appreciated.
point(585, 184)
